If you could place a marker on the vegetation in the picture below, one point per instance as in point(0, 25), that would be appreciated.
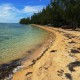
point(58, 13)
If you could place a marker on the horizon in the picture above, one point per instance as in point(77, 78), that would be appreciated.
point(12, 11)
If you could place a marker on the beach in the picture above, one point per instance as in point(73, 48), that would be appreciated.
point(57, 59)
point(19, 45)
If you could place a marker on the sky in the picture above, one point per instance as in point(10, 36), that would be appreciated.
point(11, 11)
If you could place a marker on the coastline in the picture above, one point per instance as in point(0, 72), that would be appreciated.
point(39, 52)
point(40, 49)
point(29, 60)
point(60, 61)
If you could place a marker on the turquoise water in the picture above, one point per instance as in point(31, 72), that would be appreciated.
point(17, 39)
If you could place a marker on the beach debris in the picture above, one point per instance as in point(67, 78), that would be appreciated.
point(28, 73)
point(28, 76)
point(60, 72)
point(29, 51)
point(73, 64)
point(78, 48)
point(53, 50)
point(72, 42)
point(34, 61)
point(75, 51)
point(70, 36)
point(6, 70)
point(68, 75)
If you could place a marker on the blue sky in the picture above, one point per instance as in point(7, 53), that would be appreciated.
point(11, 11)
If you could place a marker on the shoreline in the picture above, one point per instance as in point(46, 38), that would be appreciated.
point(60, 61)
point(43, 47)
point(37, 54)
point(16, 65)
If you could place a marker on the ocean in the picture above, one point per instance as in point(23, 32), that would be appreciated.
point(17, 39)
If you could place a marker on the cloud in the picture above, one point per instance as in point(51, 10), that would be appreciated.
point(32, 9)
point(10, 13)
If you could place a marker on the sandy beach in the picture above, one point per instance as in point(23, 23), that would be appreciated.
point(58, 59)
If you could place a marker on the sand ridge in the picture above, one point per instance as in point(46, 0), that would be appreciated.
point(60, 62)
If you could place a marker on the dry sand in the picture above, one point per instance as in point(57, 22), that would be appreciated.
point(59, 62)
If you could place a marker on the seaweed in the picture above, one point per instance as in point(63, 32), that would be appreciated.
point(69, 36)
point(73, 64)
point(6, 69)
point(53, 50)
point(68, 75)
point(75, 51)
point(30, 52)
point(60, 73)
point(28, 73)
point(72, 42)
point(78, 48)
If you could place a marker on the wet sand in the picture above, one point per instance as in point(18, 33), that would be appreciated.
point(31, 56)
point(59, 61)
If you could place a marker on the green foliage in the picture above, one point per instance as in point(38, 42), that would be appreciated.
point(57, 13)
point(25, 21)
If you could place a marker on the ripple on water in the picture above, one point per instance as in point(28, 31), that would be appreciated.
point(16, 39)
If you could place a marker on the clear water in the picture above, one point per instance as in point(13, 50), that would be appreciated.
point(16, 39)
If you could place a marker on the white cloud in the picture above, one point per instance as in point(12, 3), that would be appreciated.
point(32, 9)
point(5, 10)
point(10, 13)
point(7, 13)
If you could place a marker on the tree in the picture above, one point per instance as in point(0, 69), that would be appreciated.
point(25, 21)
point(57, 13)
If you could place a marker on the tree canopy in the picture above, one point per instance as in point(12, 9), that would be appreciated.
point(57, 13)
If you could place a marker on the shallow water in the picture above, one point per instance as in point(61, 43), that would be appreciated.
point(17, 39)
